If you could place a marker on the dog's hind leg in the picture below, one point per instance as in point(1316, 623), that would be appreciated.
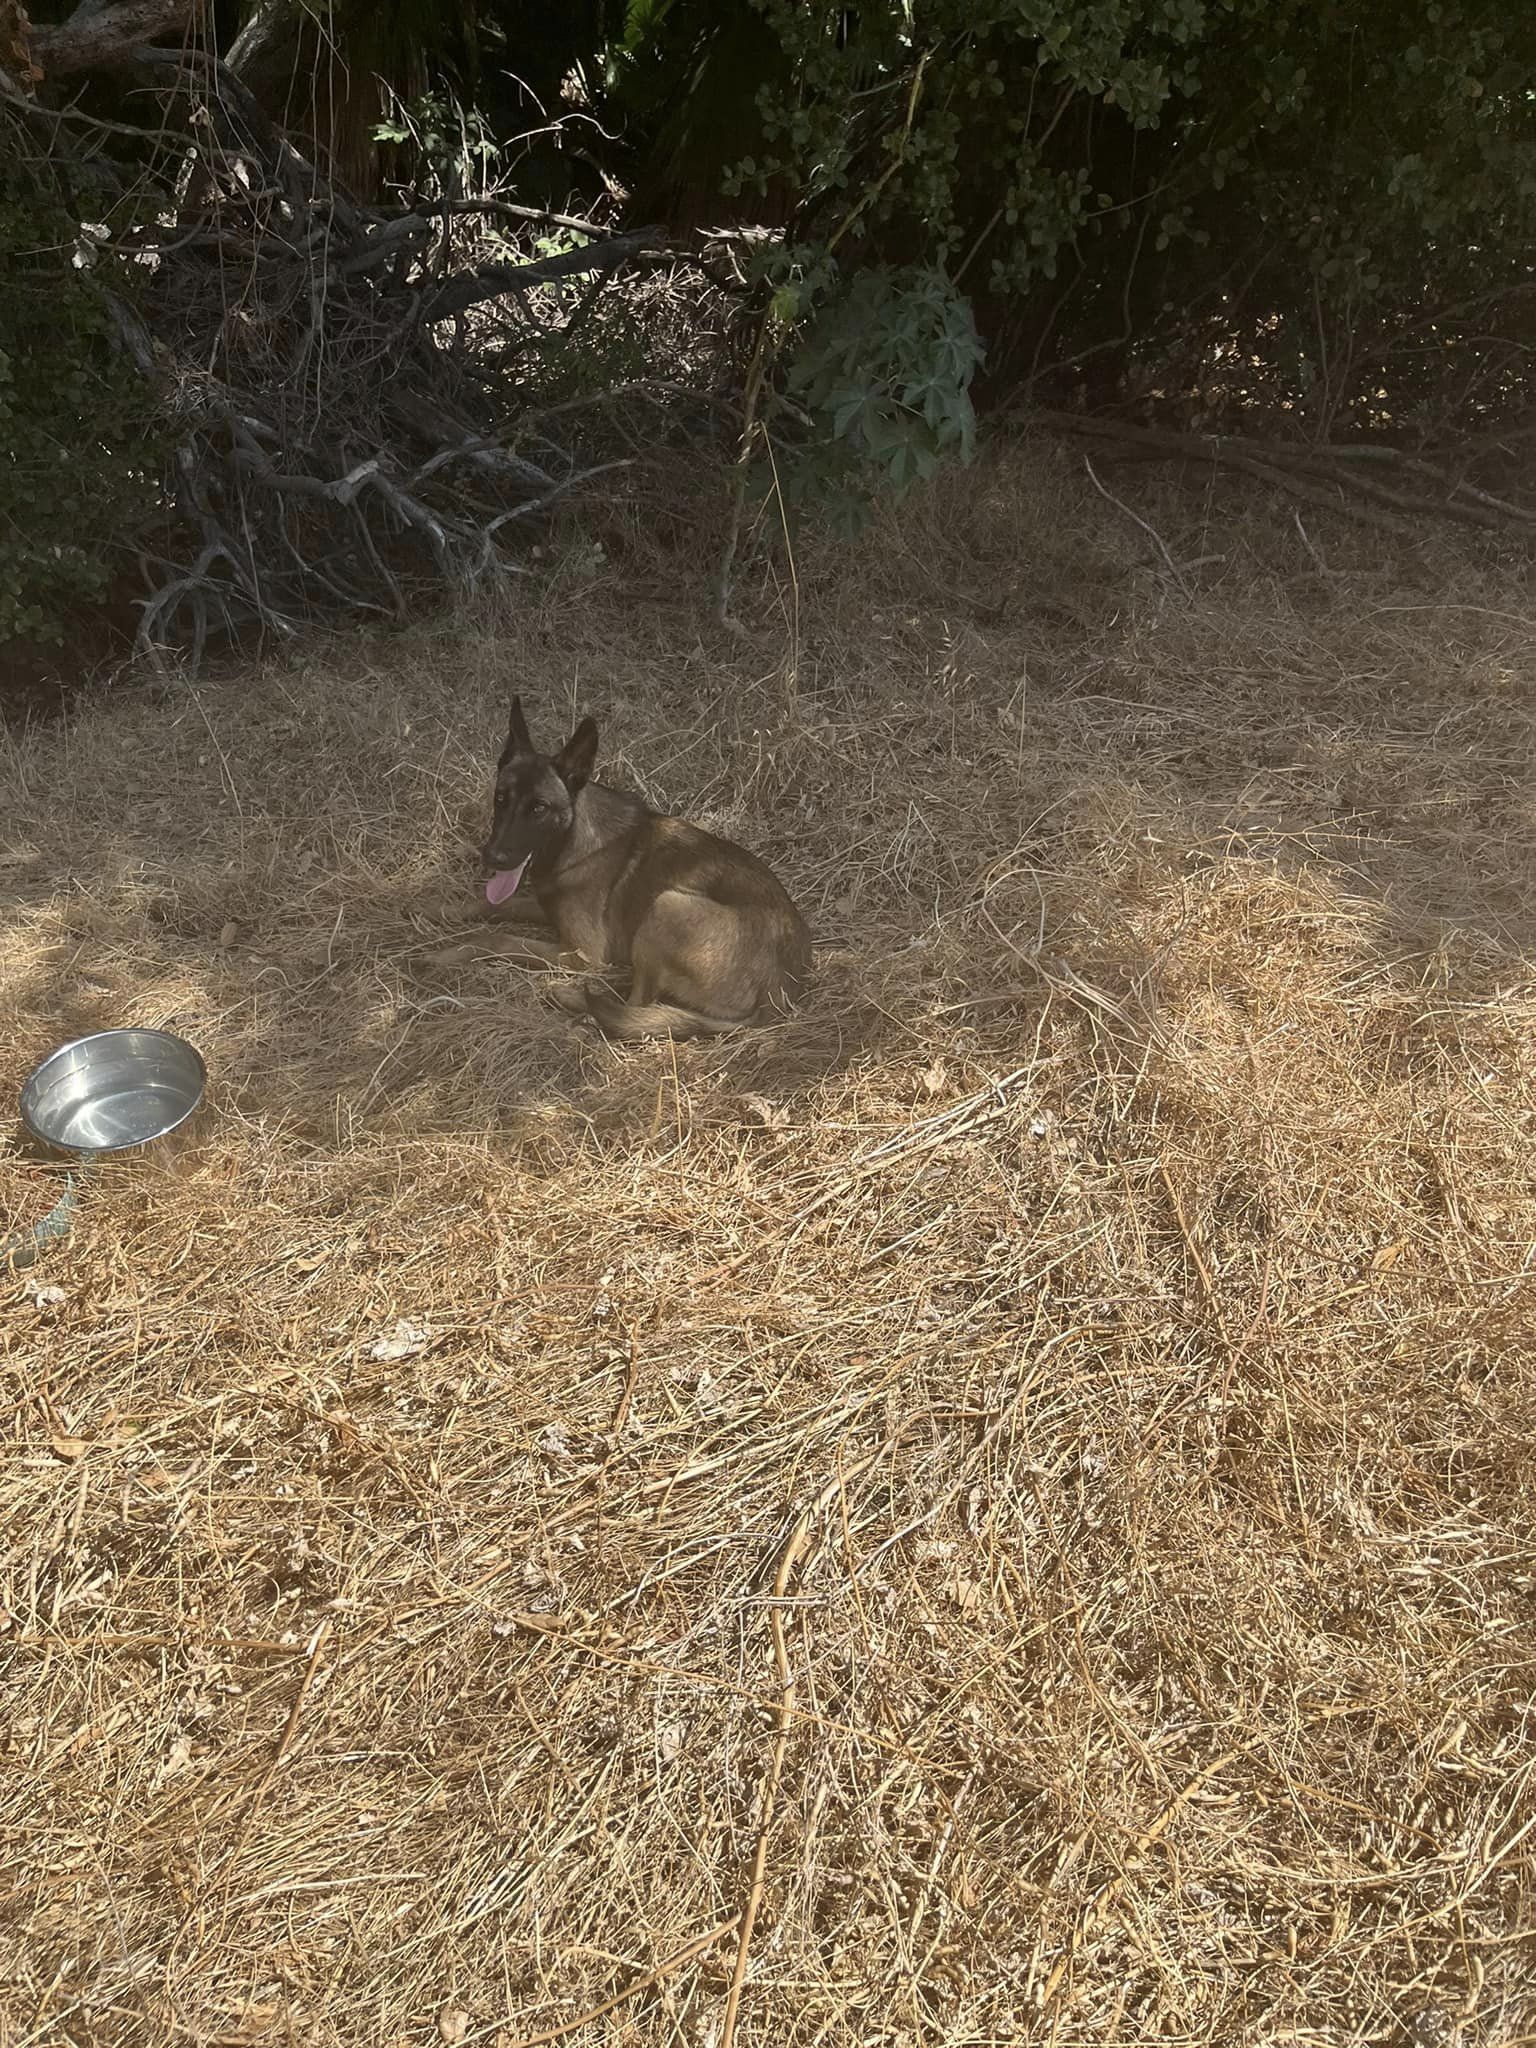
point(523, 949)
point(570, 996)
point(683, 958)
point(583, 998)
point(654, 1020)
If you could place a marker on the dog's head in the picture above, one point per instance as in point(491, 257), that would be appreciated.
point(535, 803)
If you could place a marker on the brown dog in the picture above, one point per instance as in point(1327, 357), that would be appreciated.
point(707, 934)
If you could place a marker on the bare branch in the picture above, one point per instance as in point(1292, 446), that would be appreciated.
point(506, 209)
point(1146, 527)
point(337, 447)
point(493, 280)
point(1326, 474)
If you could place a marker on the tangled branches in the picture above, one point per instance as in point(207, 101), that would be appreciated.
point(335, 379)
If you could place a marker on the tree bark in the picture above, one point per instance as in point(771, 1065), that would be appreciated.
point(97, 42)
point(16, 62)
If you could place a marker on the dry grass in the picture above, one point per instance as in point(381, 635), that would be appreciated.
point(1019, 1483)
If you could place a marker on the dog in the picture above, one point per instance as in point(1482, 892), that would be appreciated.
point(707, 934)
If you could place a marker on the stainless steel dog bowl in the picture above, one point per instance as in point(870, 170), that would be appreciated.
point(112, 1090)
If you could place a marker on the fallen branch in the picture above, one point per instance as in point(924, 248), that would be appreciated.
point(789, 1561)
point(425, 220)
point(1333, 475)
point(1121, 506)
point(494, 280)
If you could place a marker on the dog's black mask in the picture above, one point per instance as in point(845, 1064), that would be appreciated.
point(535, 805)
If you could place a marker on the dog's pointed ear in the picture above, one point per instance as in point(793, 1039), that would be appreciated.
point(519, 740)
point(573, 763)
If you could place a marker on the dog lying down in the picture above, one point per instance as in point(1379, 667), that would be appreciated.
point(705, 932)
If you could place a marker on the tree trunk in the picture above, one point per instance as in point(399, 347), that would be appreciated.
point(311, 68)
point(98, 41)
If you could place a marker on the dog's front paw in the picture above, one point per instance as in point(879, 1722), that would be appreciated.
point(448, 958)
point(571, 996)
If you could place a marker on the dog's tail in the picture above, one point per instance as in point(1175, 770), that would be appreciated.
point(656, 1020)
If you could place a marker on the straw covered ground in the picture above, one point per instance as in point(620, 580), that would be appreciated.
point(998, 1511)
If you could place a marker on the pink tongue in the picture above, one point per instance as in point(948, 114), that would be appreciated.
point(504, 884)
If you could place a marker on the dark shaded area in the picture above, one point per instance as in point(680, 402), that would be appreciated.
point(38, 681)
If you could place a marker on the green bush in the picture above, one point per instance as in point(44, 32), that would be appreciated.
point(78, 460)
point(1325, 206)
point(877, 386)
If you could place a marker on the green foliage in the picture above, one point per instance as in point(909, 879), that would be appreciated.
point(1314, 180)
point(444, 146)
point(1284, 94)
point(77, 464)
point(878, 386)
point(602, 348)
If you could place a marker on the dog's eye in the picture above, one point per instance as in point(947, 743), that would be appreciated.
point(538, 808)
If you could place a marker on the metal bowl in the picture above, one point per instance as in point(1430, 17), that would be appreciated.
point(112, 1090)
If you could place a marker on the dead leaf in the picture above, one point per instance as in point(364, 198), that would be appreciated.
point(257, 2021)
point(452, 2024)
point(1388, 1256)
point(70, 1447)
point(967, 1593)
point(405, 1340)
point(773, 1115)
point(178, 1758)
point(228, 935)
